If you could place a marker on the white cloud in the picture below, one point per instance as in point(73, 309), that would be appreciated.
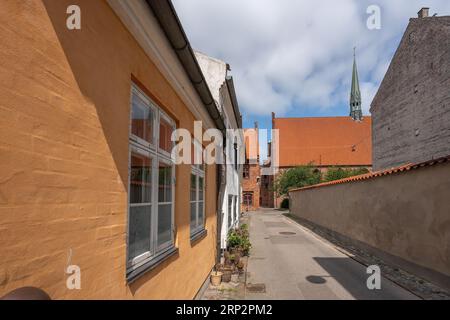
point(298, 53)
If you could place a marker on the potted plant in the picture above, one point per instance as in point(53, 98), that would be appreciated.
point(226, 270)
point(227, 257)
point(241, 265)
point(235, 277)
point(233, 259)
point(237, 254)
point(216, 278)
point(226, 276)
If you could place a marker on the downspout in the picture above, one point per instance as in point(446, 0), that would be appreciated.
point(221, 184)
point(167, 17)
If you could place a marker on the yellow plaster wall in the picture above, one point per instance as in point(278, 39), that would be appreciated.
point(64, 123)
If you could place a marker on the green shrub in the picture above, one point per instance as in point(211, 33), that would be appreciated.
point(234, 240)
point(239, 239)
point(342, 173)
point(297, 177)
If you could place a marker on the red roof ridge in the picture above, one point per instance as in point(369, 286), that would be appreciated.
point(372, 175)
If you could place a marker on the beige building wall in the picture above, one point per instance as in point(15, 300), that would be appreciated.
point(403, 216)
point(64, 128)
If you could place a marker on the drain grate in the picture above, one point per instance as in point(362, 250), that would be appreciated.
point(287, 233)
point(256, 288)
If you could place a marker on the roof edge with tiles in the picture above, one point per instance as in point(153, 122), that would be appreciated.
point(372, 175)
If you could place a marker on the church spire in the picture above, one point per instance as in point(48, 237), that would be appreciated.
point(355, 94)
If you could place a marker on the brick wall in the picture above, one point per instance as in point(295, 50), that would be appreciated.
point(411, 111)
point(252, 185)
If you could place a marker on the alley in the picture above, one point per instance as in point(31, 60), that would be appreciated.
point(293, 263)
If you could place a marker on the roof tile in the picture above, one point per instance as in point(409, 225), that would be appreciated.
point(372, 175)
point(326, 141)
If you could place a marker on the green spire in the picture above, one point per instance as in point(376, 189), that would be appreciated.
point(355, 94)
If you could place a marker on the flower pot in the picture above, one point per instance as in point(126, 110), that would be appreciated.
point(226, 276)
point(227, 260)
point(238, 254)
point(216, 278)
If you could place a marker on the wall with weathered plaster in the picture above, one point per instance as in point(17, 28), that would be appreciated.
point(411, 111)
point(406, 215)
point(64, 127)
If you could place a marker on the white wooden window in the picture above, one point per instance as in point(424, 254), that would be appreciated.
point(197, 199)
point(151, 183)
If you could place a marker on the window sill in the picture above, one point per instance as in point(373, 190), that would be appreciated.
point(198, 235)
point(133, 275)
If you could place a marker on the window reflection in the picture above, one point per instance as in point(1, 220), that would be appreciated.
point(142, 119)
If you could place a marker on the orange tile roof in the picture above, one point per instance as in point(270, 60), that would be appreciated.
point(385, 172)
point(327, 141)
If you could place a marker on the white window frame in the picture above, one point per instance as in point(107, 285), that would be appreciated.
point(244, 200)
point(170, 243)
point(138, 140)
point(157, 155)
point(197, 171)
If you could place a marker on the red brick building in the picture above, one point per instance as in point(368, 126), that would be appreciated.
point(323, 142)
point(266, 191)
point(251, 197)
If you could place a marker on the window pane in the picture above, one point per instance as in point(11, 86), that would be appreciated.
point(197, 154)
point(140, 179)
point(193, 215)
point(248, 199)
point(139, 234)
point(193, 187)
point(164, 223)
point(201, 214)
point(165, 134)
point(200, 188)
point(142, 117)
point(165, 183)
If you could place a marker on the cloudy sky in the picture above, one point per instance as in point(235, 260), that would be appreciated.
point(294, 57)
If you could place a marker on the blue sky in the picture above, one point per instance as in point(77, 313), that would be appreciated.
point(294, 57)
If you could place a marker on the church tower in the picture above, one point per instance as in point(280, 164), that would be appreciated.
point(355, 94)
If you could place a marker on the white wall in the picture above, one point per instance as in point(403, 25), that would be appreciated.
point(215, 72)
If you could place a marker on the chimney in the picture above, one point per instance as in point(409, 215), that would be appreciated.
point(423, 13)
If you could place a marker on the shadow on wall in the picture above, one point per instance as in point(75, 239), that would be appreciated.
point(102, 74)
point(102, 60)
point(94, 64)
